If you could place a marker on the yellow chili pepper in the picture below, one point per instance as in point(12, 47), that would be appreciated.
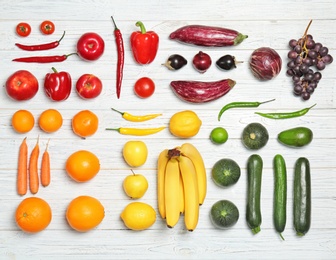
point(137, 131)
point(134, 118)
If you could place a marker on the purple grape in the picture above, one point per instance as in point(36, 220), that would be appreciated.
point(310, 44)
point(323, 51)
point(304, 68)
point(317, 76)
point(327, 59)
point(318, 46)
point(293, 43)
point(309, 37)
point(305, 95)
point(290, 72)
point(312, 54)
point(309, 76)
point(296, 78)
point(291, 64)
point(292, 55)
point(298, 49)
point(310, 89)
point(312, 84)
point(307, 61)
point(320, 65)
point(298, 60)
point(298, 89)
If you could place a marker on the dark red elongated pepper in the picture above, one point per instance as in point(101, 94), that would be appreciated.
point(121, 57)
point(40, 47)
point(44, 59)
point(57, 85)
point(144, 44)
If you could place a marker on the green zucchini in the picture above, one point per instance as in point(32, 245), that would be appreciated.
point(302, 196)
point(254, 174)
point(280, 194)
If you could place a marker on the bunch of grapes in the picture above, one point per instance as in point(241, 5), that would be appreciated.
point(306, 54)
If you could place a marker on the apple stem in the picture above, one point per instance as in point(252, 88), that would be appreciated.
point(132, 171)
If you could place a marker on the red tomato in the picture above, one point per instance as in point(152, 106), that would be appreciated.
point(47, 27)
point(23, 29)
point(89, 86)
point(22, 85)
point(144, 87)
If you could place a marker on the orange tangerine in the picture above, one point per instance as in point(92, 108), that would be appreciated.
point(50, 120)
point(85, 123)
point(23, 121)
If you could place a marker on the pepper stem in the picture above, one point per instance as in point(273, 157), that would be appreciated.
point(54, 70)
point(113, 129)
point(267, 101)
point(115, 25)
point(142, 26)
point(117, 111)
point(61, 37)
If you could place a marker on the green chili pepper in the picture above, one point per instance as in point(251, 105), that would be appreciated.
point(240, 104)
point(286, 115)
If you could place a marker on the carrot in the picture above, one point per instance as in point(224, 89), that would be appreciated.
point(22, 174)
point(33, 169)
point(45, 167)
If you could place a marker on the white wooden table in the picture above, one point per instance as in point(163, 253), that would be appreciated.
point(267, 23)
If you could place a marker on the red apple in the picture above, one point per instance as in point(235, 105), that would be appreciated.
point(90, 46)
point(89, 86)
point(22, 85)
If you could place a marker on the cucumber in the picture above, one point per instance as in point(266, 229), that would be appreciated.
point(296, 137)
point(302, 196)
point(254, 174)
point(280, 194)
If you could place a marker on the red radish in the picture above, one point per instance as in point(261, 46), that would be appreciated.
point(202, 62)
point(265, 63)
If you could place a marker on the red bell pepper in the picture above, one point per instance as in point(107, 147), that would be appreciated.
point(144, 44)
point(57, 85)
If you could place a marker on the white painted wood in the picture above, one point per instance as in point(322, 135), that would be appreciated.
point(268, 23)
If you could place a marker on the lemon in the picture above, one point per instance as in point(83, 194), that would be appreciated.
point(185, 124)
point(135, 153)
point(138, 215)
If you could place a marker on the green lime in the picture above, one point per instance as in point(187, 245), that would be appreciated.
point(219, 135)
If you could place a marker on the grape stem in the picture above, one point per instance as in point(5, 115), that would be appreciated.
point(305, 36)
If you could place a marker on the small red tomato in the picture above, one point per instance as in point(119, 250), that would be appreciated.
point(23, 29)
point(144, 87)
point(89, 86)
point(47, 27)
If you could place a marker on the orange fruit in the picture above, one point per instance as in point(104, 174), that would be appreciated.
point(85, 123)
point(85, 213)
point(33, 215)
point(82, 165)
point(50, 120)
point(23, 121)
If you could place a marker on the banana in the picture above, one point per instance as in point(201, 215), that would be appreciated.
point(190, 151)
point(161, 170)
point(190, 186)
point(182, 199)
point(172, 194)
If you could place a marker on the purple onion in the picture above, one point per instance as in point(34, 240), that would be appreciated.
point(265, 63)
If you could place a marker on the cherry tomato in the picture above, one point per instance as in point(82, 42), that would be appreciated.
point(144, 87)
point(23, 29)
point(47, 27)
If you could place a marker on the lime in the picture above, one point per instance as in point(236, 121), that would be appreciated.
point(219, 135)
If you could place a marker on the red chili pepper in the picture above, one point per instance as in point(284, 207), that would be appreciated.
point(40, 47)
point(57, 85)
point(44, 59)
point(144, 44)
point(121, 57)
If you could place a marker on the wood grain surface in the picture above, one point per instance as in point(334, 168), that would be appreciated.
point(268, 24)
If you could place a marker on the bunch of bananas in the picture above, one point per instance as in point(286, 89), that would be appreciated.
point(182, 185)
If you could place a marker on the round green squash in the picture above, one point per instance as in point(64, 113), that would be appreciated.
point(255, 136)
point(224, 214)
point(225, 172)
